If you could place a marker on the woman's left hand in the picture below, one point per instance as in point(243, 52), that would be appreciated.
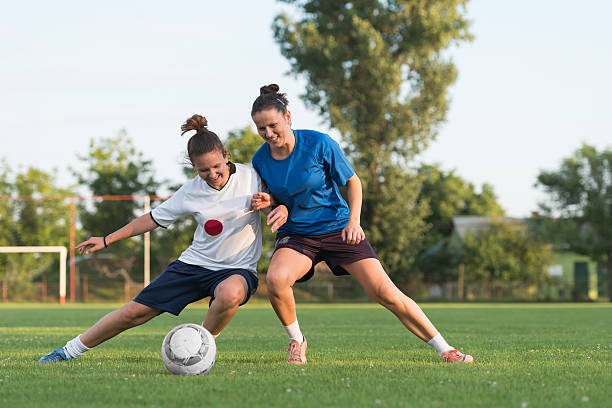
point(352, 233)
point(277, 217)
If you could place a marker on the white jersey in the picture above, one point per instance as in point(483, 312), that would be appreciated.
point(229, 232)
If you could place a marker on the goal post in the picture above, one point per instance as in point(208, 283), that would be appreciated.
point(70, 254)
point(63, 252)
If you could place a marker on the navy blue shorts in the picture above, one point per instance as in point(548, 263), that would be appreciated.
point(328, 248)
point(181, 284)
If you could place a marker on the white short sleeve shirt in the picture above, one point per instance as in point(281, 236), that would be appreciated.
point(228, 235)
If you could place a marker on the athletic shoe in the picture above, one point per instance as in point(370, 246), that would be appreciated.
point(297, 352)
point(455, 356)
point(55, 356)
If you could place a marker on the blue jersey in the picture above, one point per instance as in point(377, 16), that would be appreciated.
point(307, 182)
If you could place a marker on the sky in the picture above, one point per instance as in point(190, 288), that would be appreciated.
point(533, 86)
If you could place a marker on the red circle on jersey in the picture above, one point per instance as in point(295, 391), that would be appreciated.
point(213, 227)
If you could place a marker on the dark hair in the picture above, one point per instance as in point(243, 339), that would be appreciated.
point(270, 98)
point(204, 141)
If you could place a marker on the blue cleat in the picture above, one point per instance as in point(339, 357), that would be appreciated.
point(55, 356)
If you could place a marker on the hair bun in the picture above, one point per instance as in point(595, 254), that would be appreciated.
point(196, 122)
point(269, 89)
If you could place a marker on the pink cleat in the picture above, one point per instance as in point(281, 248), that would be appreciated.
point(455, 356)
point(297, 352)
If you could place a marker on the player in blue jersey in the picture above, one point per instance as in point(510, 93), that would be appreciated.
point(303, 169)
point(221, 261)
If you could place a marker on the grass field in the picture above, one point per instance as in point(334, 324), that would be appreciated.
point(527, 355)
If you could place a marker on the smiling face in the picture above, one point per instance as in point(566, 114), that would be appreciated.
point(212, 168)
point(274, 127)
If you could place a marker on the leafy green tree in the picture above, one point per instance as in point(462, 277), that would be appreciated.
point(43, 220)
point(396, 220)
point(113, 166)
point(376, 72)
point(241, 145)
point(448, 195)
point(505, 252)
point(580, 193)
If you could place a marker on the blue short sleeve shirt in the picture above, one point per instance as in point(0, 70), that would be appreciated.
point(307, 183)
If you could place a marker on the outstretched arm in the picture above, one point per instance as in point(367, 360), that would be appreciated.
point(140, 225)
point(352, 232)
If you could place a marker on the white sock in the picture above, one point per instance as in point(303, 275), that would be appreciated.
point(294, 332)
point(75, 348)
point(214, 335)
point(439, 344)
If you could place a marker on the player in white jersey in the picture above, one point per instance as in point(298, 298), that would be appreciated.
point(221, 261)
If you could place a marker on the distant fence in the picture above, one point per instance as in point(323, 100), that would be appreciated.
point(96, 289)
point(501, 290)
point(343, 291)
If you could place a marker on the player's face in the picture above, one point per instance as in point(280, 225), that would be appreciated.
point(273, 126)
point(212, 167)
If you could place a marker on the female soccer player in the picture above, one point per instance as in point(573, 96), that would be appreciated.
point(221, 262)
point(303, 169)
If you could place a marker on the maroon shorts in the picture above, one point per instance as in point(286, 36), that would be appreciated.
point(328, 248)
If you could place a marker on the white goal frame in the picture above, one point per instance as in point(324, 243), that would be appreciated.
point(63, 252)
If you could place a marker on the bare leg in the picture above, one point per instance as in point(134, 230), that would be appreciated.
point(372, 277)
point(286, 267)
point(228, 295)
point(129, 315)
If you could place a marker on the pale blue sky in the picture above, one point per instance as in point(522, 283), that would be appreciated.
point(532, 87)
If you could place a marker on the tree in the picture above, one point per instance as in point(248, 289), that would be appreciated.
point(580, 193)
point(448, 195)
point(375, 72)
point(115, 167)
point(241, 144)
point(506, 252)
point(43, 220)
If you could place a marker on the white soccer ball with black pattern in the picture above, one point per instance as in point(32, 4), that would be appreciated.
point(189, 349)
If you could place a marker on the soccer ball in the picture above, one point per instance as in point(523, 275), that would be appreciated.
point(189, 349)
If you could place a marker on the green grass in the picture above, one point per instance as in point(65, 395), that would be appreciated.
point(552, 355)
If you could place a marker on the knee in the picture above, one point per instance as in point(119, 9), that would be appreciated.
point(133, 315)
point(276, 281)
point(387, 297)
point(230, 297)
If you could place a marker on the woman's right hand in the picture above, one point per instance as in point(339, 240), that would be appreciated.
point(93, 244)
point(260, 201)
